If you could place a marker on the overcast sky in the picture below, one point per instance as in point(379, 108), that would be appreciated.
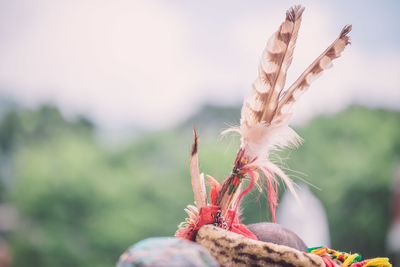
point(153, 63)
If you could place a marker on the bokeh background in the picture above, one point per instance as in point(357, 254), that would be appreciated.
point(98, 99)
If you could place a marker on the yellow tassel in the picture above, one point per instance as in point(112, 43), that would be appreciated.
point(378, 262)
point(350, 259)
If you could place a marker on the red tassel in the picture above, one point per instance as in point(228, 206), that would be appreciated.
point(209, 215)
point(253, 178)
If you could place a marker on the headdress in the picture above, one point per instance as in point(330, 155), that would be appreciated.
point(264, 127)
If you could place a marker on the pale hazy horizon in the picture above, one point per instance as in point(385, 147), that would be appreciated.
point(154, 63)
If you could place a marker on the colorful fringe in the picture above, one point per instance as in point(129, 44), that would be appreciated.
point(212, 215)
point(352, 260)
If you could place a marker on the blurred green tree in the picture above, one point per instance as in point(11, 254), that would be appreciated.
point(82, 203)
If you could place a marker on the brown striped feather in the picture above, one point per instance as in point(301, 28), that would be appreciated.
point(275, 61)
point(323, 62)
point(293, 15)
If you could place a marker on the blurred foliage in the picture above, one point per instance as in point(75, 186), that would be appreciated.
point(82, 203)
point(352, 157)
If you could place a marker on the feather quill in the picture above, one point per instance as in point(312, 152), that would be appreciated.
point(198, 184)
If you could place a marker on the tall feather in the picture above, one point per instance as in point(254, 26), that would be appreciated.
point(198, 184)
point(264, 125)
point(275, 61)
point(323, 62)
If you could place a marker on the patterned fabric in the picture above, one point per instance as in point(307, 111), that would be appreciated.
point(166, 251)
point(234, 250)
